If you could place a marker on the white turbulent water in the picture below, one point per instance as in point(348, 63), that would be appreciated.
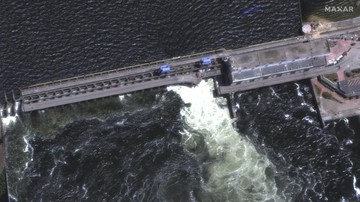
point(9, 119)
point(238, 171)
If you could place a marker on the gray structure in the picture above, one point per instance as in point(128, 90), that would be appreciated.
point(116, 82)
point(349, 87)
point(276, 64)
point(234, 70)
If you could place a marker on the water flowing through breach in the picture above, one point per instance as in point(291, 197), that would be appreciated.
point(151, 155)
point(179, 145)
point(235, 172)
point(167, 151)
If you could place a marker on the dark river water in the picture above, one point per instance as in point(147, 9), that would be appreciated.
point(173, 144)
point(43, 40)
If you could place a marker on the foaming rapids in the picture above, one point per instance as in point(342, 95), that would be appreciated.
point(236, 171)
point(6, 121)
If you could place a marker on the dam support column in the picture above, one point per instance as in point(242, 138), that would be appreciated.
point(4, 112)
point(13, 104)
point(231, 105)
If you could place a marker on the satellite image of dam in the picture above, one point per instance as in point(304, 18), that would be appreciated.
point(199, 101)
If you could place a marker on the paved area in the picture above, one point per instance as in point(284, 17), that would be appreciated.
point(353, 61)
point(272, 55)
point(273, 80)
point(337, 111)
point(286, 71)
point(338, 106)
point(338, 47)
point(341, 75)
point(279, 59)
point(277, 53)
point(296, 66)
point(323, 89)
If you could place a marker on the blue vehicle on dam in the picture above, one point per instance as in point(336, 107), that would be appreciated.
point(205, 61)
point(164, 69)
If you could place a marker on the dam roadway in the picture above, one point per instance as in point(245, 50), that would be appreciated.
point(233, 70)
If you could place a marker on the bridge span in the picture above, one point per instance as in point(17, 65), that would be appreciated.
point(184, 70)
point(234, 70)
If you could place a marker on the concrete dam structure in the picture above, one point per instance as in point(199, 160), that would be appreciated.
point(233, 70)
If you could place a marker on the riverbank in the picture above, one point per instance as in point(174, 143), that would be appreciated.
point(331, 105)
point(337, 94)
point(329, 11)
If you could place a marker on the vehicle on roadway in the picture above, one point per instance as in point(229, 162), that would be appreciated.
point(164, 69)
point(205, 61)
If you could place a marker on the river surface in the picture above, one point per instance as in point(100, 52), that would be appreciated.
point(173, 144)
